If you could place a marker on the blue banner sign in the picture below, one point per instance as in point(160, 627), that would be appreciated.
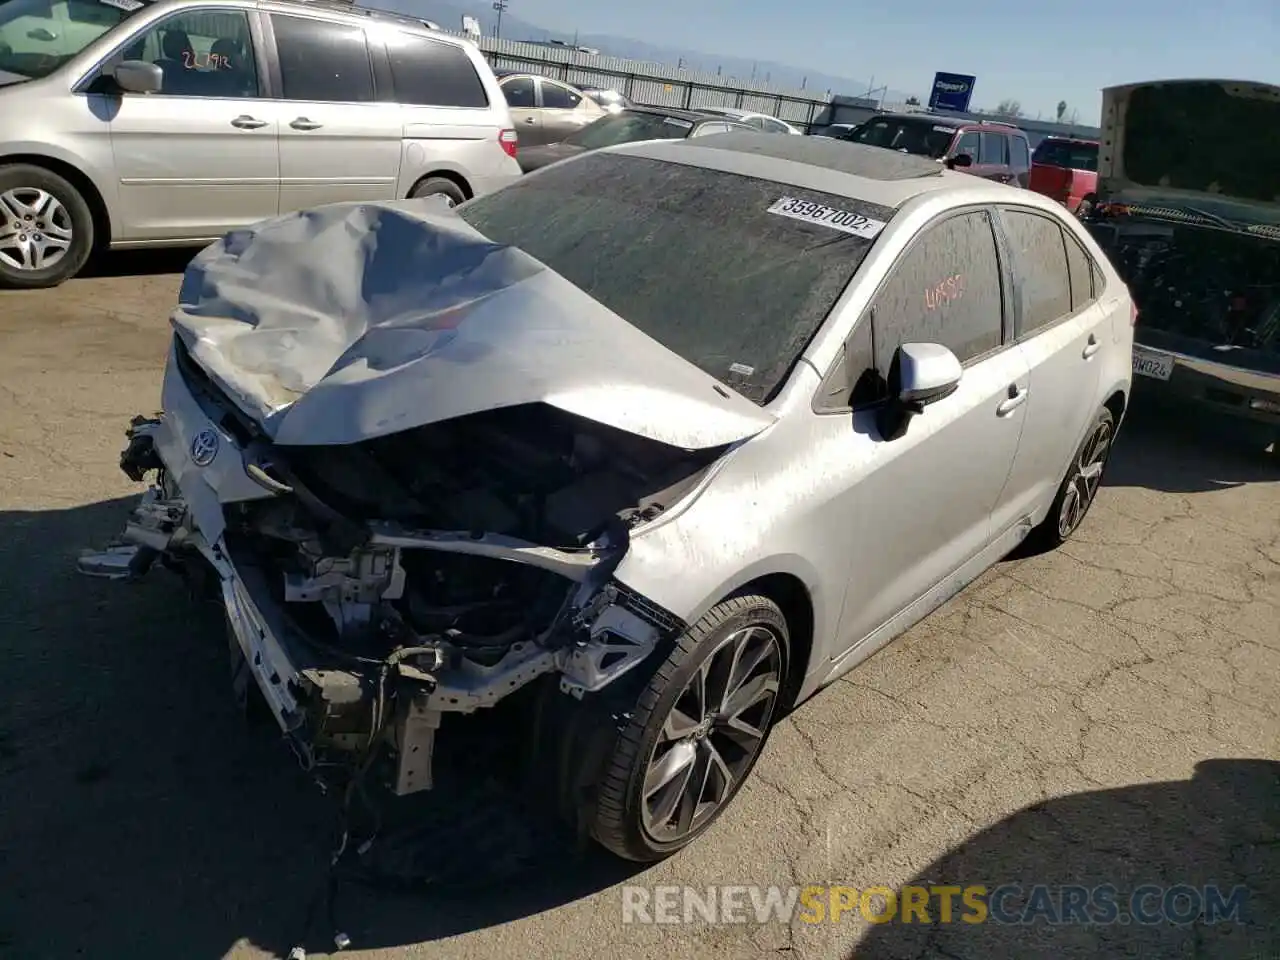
point(951, 91)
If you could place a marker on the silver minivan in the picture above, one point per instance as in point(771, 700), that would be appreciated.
point(126, 123)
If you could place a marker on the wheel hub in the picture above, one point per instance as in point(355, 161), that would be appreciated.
point(35, 229)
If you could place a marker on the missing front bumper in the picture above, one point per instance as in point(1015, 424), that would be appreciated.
point(336, 708)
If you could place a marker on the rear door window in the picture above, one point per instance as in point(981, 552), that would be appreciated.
point(994, 149)
point(519, 93)
point(1081, 272)
point(322, 61)
point(945, 289)
point(1041, 276)
point(556, 97)
point(430, 73)
point(1068, 155)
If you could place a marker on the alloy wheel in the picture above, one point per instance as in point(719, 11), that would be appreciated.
point(712, 734)
point(35, 229)
point(1086, 475)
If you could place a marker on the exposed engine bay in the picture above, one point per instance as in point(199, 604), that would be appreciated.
point(1221, 287)
point(438, 570)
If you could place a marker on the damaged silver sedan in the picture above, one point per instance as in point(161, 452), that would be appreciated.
point(625, 432)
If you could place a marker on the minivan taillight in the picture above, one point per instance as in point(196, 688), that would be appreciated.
point(508, 139)
point(1133, 314)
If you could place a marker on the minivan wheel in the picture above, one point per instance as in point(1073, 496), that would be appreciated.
point(695, 732)
point(46, 228)
point(439, 187)
point(1080, 486)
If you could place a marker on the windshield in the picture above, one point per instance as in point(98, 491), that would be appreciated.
point(627, 127)
point(1068, 154)
point(39, 36)
point(692, 257)
point(920, 137)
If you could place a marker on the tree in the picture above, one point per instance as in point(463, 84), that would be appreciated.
point(913, 101)
point(1008, 108)
point(1062, 110)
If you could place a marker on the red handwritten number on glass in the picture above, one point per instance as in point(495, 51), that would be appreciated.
point(205, 61)
point(945, 291)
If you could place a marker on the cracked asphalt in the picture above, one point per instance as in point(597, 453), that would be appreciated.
point(1105, 714)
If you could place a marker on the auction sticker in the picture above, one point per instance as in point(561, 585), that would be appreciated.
point(842, 220)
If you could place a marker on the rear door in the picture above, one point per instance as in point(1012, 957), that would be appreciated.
point(200, 157)
point(1059, 326)
point(337, 142)
point(522, 100)
point(448, 124)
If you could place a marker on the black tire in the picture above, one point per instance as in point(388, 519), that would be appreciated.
point(616, 820)
point(1053, 532)
point(21, 181)
point(438, 187)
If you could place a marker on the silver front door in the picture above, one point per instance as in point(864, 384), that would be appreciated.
point(336, 141)
point(200, 157)
point(920, 506)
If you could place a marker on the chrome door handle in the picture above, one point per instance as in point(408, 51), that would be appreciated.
point(246, 122)
point(302, 123)
point(1092, 347)
point(1016, 399)
point(530, 120)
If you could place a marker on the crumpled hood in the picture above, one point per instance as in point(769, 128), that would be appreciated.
point(357, 320)
point(1193, 141)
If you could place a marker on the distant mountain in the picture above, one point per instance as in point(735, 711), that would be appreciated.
point(449, 14)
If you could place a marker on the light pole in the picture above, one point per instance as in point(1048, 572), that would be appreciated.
point(499, 5)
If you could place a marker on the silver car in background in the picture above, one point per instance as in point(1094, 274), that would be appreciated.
point(757, 121)
point(665, 437)
point(125, 123)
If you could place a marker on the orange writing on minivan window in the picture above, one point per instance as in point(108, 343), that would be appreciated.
point(944, 291)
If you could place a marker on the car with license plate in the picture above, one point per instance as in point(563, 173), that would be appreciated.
point(131, 123)
point(1196, 236)
point(1066, 169)
point(653, 444)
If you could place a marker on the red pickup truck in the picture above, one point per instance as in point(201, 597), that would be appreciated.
point(1065, 169)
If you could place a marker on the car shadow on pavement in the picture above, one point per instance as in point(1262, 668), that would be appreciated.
point(141, 818)
point(1161, 450)
point(139, 263)
point(1170, 850)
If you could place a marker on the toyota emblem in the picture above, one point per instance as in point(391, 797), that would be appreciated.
point(204, 448)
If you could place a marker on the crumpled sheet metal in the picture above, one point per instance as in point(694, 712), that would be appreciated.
point(358, 320)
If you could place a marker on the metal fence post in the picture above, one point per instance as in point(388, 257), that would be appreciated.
point(688, 95)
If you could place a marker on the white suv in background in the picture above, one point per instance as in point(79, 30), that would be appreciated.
point(126, 123)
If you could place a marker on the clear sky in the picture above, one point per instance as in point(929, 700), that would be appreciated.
point(1035, 53)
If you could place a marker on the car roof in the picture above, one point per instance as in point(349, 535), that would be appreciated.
point(373, 13)
point(959, 123)
point(874, 174)
point(697, 116)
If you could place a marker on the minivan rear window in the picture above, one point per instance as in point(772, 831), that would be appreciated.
point(1067, 154)
point(435, 74)
point(691, 256)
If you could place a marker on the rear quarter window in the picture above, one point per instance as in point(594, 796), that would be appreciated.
point(430, 73)
point(1067, 155)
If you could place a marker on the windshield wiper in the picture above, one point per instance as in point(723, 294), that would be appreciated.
point(1211, 217)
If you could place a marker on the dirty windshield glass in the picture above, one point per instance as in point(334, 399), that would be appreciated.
point(920, 137)
point(627, 127)
point(38, 36)
point(695, 258)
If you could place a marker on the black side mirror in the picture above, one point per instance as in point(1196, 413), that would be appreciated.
point(959, 161)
